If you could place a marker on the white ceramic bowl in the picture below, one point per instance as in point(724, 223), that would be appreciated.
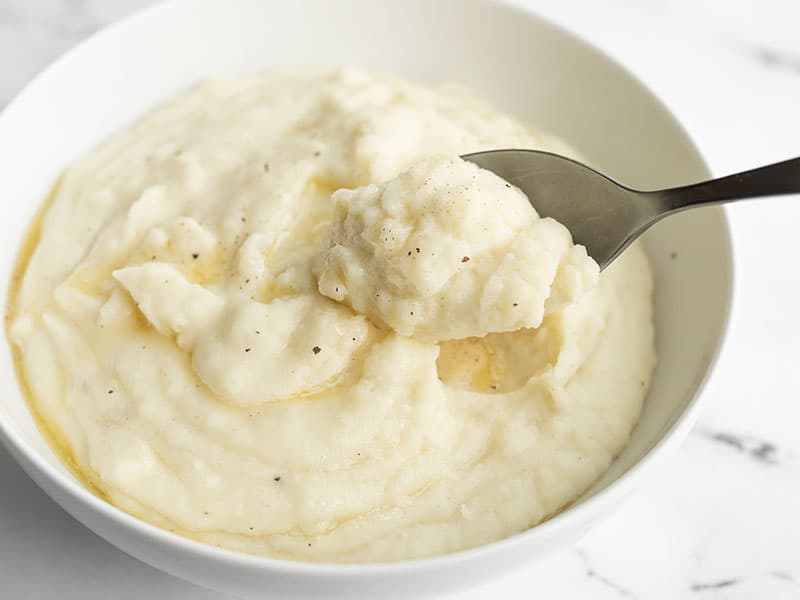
point(520, 63)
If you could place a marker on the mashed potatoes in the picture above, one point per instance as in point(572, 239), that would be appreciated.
point(447, 250)
point(225, 345)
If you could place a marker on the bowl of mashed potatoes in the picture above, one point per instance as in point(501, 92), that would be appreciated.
point(267, 331)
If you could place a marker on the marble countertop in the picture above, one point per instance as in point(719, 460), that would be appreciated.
point(722, 519)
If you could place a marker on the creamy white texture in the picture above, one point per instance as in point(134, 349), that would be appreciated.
point(446, 251)
point(172, 333)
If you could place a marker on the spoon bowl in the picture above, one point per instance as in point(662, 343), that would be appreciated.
point(605, 216)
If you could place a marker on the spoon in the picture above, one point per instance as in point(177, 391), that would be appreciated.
point(605, 216)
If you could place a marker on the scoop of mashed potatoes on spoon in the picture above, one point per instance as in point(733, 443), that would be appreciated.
point(447, 250)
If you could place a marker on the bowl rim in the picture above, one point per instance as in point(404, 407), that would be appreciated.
point(615, 492)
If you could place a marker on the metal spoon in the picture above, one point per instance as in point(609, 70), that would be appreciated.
point(606, 216)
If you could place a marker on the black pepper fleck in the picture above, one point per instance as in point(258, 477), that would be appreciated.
point(515, 304)
point(317, 153)
point(276, 478)
point(247, 349)
point(465, 259)
point(508, 185)
point(417, 249)
point(110, 391)
point(195, 255)
point(316, 349)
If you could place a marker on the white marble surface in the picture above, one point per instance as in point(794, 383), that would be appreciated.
point(722, 520)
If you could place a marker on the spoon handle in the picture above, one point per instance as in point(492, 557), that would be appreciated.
point(771, 180)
